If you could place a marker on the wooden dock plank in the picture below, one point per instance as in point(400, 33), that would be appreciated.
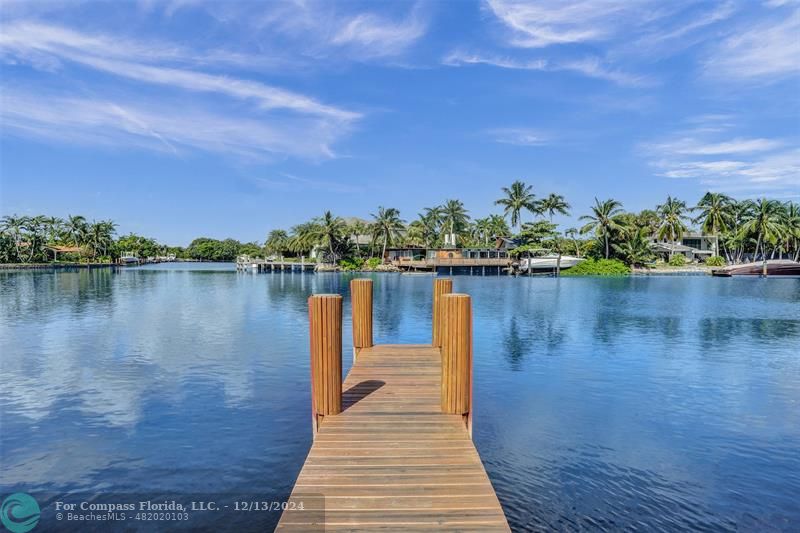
point(391, 460)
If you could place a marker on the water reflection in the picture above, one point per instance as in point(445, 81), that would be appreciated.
point(654, 403)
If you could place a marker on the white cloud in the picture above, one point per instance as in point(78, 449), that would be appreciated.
point(519, 136)
point(289, 182)
point(167, 127)
point(537, 24)
point(766, 51)
point(375, 36)
point(734, 164)
point(588, 66)
point(738, 145)
point(251, 119)
point(25, 41)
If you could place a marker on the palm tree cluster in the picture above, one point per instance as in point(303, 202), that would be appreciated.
point(752, 229)
point(23, 239)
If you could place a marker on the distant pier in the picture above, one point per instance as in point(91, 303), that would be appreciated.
point(263, 265)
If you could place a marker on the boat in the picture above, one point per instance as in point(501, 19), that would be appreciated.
point(547, 262)
point(774, 267)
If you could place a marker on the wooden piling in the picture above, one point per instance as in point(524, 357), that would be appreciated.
point(325, 318)
point(440, 286)
point(456, 393)
point(361, 298)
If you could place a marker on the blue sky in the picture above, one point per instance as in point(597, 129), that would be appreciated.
point(187, 118)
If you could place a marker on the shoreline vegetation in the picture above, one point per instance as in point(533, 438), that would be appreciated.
point(611, 240)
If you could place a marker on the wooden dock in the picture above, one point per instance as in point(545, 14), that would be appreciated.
point(397, 453)
point(262, 265)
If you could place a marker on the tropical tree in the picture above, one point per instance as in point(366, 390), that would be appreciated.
point(673, 216)
point(428, 225)
point(715, 215)
point(571, 234)
point(635, 250)
point(554, 203)
point(277, 242)
point(603, 220)
point(482, 230)
point(100, 236)
point(387, 226)
point(416, 234)
point(766, 223)
point(13, 226)
point(303, 238)
point(518, 198)
point(648, 220)
point(329, 232)
point(355, 230)
point(498, 226)
point(76, 230)
point(792, 228)
point(454, 217)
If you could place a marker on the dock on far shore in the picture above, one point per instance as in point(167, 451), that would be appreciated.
point(392, 446)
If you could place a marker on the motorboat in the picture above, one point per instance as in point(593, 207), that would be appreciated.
point(547, 263)
point(773, 267)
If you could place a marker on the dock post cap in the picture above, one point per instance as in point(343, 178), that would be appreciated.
point(325, 295)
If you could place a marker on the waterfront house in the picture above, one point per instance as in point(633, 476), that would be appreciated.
point(694, 246)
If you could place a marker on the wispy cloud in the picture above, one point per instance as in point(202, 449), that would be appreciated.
point(765, 51)
point(733, 164)
point(587, 66)
point(39, 43)
point(253, 119)
point(519, 136)
point(166, 127)
point(371, 35)
point(289, 182)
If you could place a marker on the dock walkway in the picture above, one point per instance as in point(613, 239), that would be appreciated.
point(392, 460)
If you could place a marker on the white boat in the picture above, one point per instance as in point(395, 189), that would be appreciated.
point(547, 262)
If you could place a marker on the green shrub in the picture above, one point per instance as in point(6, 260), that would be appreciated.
point(677, 260)
point(351, 264)
point(598, 267)
point(374, 262)
point(715, 261)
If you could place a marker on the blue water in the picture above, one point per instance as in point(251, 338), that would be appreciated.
point(644, 403)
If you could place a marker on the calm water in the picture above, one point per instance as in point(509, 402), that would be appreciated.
point(668, 403)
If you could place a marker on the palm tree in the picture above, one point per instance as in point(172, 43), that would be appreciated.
point(554, 203)
point(571, 234)
point(429, 223)
point(454, 217)
point(76, 230)
point(329, 231)
point(355, 230)
point(792, 231)
point(765, 223)
point(635, 250)
point(716, 215)
point(277, 242)
point(482, 230)
point(673, 214)
point(100, 236)
point(303, 238)
point(518, 197)
point(416, 234)
point(498, 226)
point(14, 225)
point(387, 226)
point(603, 220)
